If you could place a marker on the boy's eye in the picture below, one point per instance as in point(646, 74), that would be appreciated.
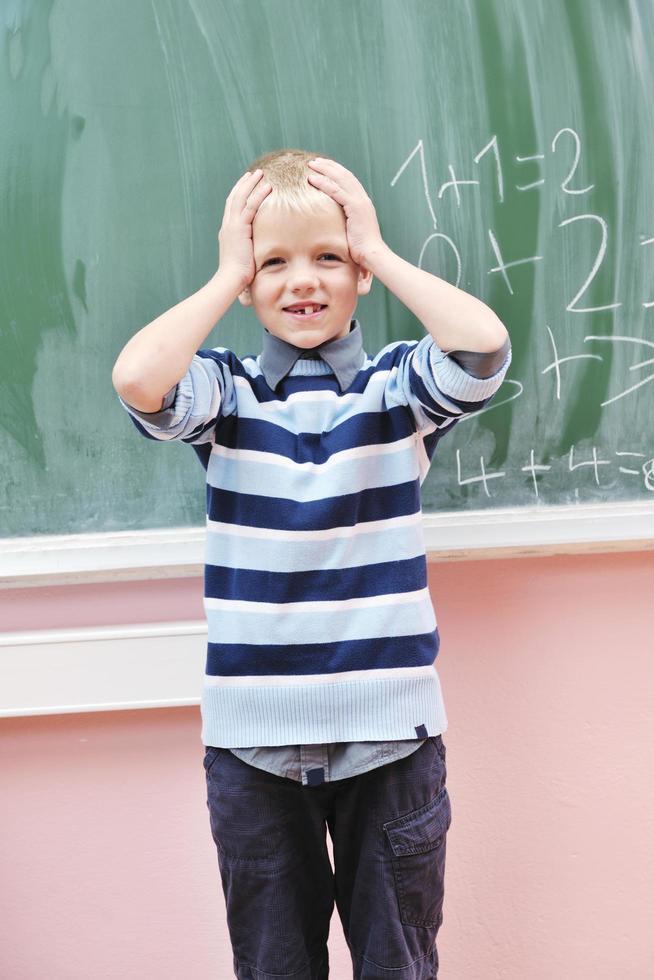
point(325, 255)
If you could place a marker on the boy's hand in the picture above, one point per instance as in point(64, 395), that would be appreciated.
point(235, 235)
point(361, 225)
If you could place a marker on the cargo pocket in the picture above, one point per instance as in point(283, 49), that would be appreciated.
point(417, 841)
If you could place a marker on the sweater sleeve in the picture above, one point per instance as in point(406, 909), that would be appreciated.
point(194, 406)
point(481, 365)
point(435, 386)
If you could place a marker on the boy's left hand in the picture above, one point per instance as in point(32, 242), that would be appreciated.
point(361, 225)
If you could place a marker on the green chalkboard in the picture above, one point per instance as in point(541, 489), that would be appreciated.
point(508, 147)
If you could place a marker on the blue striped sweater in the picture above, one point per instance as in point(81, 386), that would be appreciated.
point(321, 627)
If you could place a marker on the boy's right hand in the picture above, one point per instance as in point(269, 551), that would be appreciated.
point(236, 254)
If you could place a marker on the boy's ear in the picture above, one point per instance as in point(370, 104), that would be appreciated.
point(364, 285)
point(244, 297)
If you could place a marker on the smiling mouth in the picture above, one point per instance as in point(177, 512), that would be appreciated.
point(308, 312)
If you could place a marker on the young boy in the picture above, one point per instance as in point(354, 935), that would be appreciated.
point(321, 705)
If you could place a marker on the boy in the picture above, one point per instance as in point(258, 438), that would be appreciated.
point(321, 705)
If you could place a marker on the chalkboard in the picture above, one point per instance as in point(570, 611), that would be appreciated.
point(507, 145)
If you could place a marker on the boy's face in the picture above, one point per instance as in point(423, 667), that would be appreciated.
point(302, 260)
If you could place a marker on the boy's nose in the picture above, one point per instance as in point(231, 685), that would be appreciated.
point(302, 278)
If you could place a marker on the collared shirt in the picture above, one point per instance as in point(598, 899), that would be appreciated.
point(345, 356)
point(314, 764)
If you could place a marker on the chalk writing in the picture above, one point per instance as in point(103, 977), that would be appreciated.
point(596, 264)
point(535, 183)
point(554, 366)
point(535, 470)
point(577, 142)
point(556, 167)
point(627, 340)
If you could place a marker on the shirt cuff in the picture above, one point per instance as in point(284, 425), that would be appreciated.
point(165, 417)
point(454, 382)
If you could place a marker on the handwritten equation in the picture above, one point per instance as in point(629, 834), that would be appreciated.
point(602, 468)
point(645, 471)
point(503, 267)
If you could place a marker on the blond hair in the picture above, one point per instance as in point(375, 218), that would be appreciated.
point(287, 172)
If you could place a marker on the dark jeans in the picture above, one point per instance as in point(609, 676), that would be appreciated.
point(388, 827)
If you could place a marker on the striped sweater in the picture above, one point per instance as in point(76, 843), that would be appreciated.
point(320, 623)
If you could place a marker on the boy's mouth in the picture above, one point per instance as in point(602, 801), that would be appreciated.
point(305, 311)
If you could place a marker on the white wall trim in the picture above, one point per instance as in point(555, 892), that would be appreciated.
point(449, 536)
point(534, 531)
point(156, 665)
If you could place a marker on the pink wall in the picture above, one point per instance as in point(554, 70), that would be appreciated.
point(108, 865)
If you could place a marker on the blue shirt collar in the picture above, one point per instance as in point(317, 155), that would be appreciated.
point(345, 356)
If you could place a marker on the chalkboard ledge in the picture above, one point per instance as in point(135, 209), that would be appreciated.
point(449, 536)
